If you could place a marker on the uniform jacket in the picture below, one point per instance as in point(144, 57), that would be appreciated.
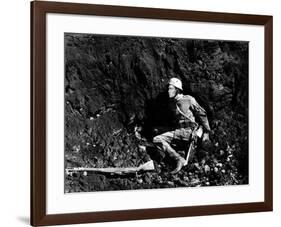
point(188, 111)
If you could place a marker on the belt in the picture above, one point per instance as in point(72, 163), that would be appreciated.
point(187, 124)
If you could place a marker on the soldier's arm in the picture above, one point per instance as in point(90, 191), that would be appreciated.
point(200, 113)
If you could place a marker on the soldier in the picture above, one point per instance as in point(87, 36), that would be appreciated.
point(186, 109)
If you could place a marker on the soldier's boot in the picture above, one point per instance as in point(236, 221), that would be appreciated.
point(180, 164)
point(180, 160)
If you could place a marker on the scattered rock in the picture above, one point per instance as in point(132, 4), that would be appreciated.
point(207, 168)
point(219, 165)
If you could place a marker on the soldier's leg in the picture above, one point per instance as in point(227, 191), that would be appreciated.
point(163, 142)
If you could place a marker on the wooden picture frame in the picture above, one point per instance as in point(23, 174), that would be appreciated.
point(39, 10)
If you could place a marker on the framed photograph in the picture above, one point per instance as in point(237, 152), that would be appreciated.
point(142, 113)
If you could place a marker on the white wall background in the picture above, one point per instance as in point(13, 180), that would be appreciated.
point(14, 120)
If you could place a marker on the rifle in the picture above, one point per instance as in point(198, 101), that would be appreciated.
point(148, 166)
point(196, 133)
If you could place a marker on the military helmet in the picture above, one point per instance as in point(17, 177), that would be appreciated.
point(176, 82)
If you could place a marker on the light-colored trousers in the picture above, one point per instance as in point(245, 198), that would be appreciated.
point(163, 141)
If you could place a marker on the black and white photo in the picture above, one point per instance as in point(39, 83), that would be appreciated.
point(151, 112)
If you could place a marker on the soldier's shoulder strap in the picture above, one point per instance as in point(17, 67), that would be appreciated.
point(187, 98)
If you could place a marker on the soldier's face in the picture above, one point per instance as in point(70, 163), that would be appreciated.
point(172, 91)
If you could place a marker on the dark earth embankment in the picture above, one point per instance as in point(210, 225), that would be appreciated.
point(115, 93)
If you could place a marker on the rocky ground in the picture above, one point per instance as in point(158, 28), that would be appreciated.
point(115, 96)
